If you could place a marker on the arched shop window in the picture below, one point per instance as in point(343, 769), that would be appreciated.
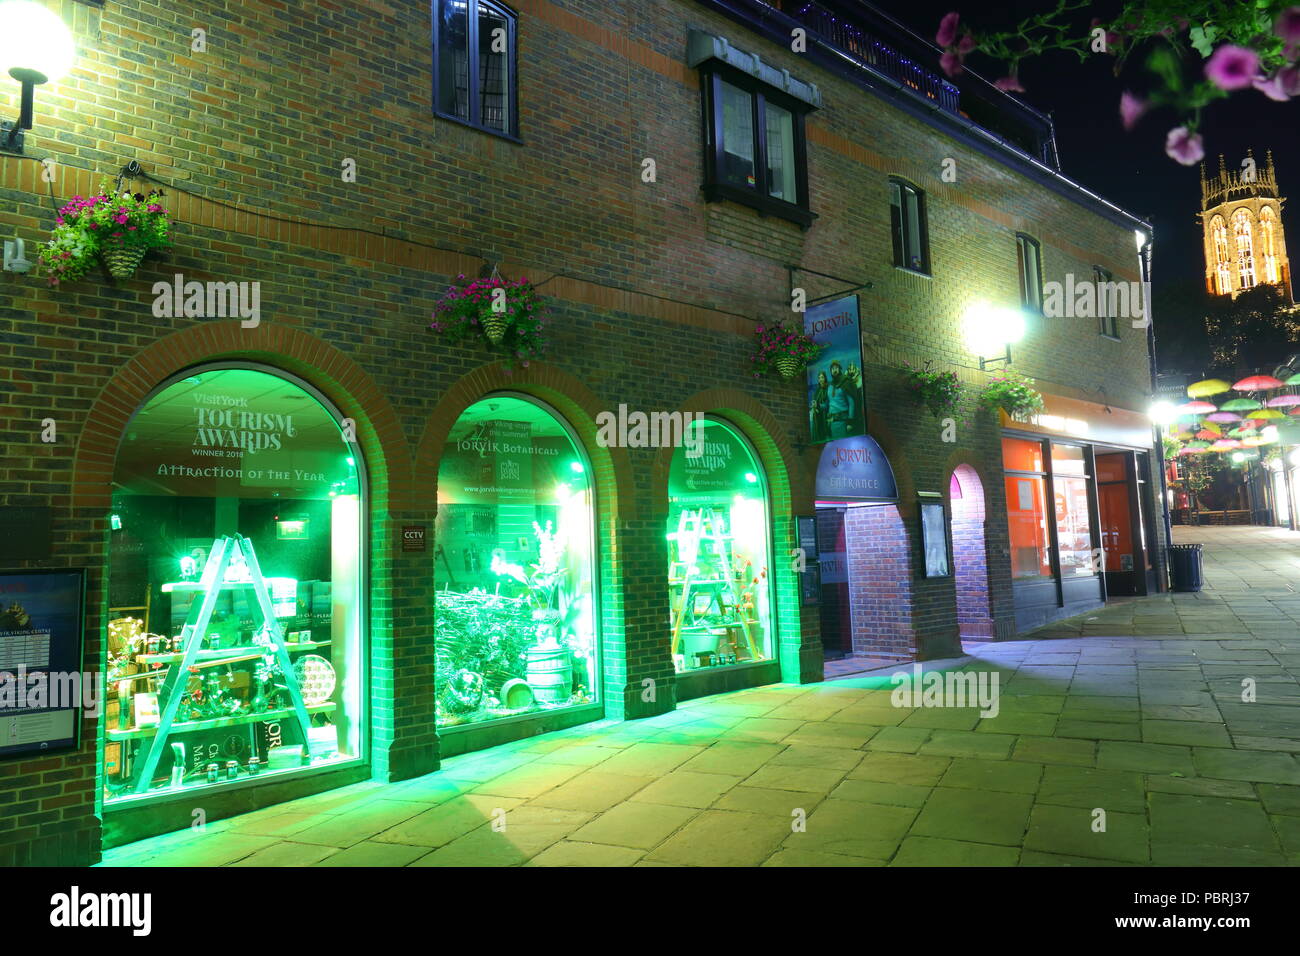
point(235, 587)
point(719, 585)
point(515, 625)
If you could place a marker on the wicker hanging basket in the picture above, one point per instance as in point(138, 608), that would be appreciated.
point(122, 261)
point(495, 325)
point(788, 366)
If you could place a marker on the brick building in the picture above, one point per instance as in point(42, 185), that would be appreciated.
point(667, 174)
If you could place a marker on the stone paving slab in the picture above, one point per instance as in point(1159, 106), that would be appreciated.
point(1132, 715)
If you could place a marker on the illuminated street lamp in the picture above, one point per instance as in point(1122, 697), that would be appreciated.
point(35, 47)
point(991, 330)
point(1162, 413)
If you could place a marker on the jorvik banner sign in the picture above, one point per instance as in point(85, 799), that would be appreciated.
point(836, 406)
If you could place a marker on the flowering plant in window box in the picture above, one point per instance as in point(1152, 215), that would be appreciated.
point(938, 391)
point(117, 230)
point(1013, 393)
point(510, 315)
point(782, 349)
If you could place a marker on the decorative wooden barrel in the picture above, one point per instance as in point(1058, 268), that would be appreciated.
point(550, 674)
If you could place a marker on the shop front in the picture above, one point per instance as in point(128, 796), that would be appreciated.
point(1080, 509)
point(237, 626)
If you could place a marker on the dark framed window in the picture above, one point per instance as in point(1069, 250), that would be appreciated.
point(754, 147)
point(474, 79)
point(908, 226)
point(1106, 305)
point(1030, 260)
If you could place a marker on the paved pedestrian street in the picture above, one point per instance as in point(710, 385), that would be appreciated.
point(1126, 737)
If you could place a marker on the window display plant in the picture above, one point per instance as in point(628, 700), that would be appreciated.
point(509, 315)
point(782, 349)
point(1013, 393)
point(938, 391)
point(114, 229)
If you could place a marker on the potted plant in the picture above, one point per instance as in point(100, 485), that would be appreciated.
point(510, 315)
point(938, 391)
point(1013, 393)
point(117, 230)
point(782, 349)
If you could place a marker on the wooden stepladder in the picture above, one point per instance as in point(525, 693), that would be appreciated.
point(697, 530)
point(175, 686)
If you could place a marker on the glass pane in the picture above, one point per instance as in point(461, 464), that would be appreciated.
point(737, 137)
point(1027, 527)
point(515, 622)
point(494, 68)
point(1031, 290)
point(912, 227)
point(719, 589)
point(1112, 467)
point(235, 492)
point(1067, 460)
point(1073, 526)
point(453, 58)
point(780, 153)
point(896, 222)
point(1019, 454)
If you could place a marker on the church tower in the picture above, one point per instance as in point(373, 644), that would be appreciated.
point(1241, 219)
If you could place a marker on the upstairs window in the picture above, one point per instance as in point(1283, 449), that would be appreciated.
point(474, 64)
point(1107, 306)
point(907, 223)
point(1029, 255)
point(755, 153)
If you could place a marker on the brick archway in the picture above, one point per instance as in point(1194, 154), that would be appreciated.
point(968, 510)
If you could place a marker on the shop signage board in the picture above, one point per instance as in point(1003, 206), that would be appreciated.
point(40, 640)
point(1087, 421)
point(836, 399)
point(855, 469)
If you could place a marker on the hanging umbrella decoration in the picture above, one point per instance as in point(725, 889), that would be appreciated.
point(1240, 405)
point(1257, 383)
point(1247, 421)
point(1207, 387)
point(1283, 401)
point(1223, 417)
point(1199, 408)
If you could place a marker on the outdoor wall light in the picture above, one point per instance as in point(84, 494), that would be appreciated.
point(1140, 238)
point(992, 329)
point(1162, 413)
point(35, 47)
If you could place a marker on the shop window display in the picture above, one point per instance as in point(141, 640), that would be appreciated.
point(1031, 550)
point(515, 622)
point(1073, 514)
point(234, 579)
point(719, 588)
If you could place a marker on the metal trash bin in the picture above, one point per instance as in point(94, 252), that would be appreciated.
point(1185, 565)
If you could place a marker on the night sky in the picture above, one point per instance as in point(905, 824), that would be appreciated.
point(1131, 169)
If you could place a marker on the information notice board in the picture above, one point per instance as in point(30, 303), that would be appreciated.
point(41, 681)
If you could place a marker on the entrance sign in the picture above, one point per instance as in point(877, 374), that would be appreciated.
point(855, 469)
point(836, 407)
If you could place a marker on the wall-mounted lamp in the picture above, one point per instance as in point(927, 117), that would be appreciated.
point(1162, 413)
point(35, 47)
point(991, 330)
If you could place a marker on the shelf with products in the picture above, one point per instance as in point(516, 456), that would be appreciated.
point(214, 723)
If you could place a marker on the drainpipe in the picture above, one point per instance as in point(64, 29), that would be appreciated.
point(1144, 272)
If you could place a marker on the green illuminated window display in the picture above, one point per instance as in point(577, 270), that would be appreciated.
point(235, 588)
point(515, 620)
point(719, 588)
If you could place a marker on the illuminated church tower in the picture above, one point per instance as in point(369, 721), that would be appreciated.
point(1241, 218)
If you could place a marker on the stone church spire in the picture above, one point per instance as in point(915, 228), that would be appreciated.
point(1241, 223)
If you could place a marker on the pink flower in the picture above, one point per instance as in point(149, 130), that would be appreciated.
point(1288, 80)
point(1184, 146)
point(947, 34)
point(965, 45)
point(1009, 84)
point(1232, 67)
point(1288, 26)
point(1131, 109)
point(950, 63)
point(1271, 86)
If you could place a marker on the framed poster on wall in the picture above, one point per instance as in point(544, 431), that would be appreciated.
point(41, 693)
point(836, 402)
point(934, 539)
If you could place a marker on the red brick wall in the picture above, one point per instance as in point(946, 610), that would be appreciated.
point(969, 556)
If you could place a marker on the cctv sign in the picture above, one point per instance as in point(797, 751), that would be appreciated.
point(413, 537)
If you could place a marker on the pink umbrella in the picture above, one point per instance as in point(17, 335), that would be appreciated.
point(1196, 408)
point(1223, 417)
point(1255, 383)
point(1283, 401)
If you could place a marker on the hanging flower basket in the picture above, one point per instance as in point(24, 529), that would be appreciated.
point(116, 230)
point(1013, 393)
point(938, 391)
point(781, 349)
point(509, 316)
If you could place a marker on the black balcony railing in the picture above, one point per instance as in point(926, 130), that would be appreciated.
point(853, 41)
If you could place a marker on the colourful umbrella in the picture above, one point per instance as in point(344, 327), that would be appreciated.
point(1223, 417)
point(1265, 413)
point(1208, 387)
point(1253, 442)
point(1225, 444)
point(1294, 379)
point(1208, 435)
point(1240, 405)
point(1255, 383)
point(1191, 451)
point(1294, 411)
point(1283, 401)
point(1198, 445)
point(1196, 408)
point(1242, 432)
